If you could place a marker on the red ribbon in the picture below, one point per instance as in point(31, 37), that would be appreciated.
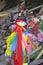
point(19, 60)
point(20, 21)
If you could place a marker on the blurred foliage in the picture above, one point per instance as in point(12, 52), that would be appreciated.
point(33, 3)
point(29, 3)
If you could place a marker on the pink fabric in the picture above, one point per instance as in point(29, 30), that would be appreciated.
point(28, 47)
point(40, 37)
point(30, 36)
point(30, 41)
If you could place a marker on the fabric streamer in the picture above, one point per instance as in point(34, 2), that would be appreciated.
point(14, 41)
point(29, 49)
point(19, 59)
point(30, 41)
point(13, 46)
point(23, 52)
point(8, 53)
point(40, 37)
point(8, 41)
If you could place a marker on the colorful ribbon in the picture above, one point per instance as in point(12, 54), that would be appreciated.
point(19, 50)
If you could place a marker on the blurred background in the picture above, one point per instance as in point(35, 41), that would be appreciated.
point(8, 15)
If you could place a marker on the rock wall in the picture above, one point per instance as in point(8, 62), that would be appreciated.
point(4, 32)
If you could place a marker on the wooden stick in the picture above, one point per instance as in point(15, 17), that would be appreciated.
point(40, 54)
point(28, 58)
point(39, 48)
point(24, 28)
point(36, 62)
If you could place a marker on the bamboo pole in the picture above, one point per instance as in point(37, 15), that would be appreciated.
point(40, 54)
point(39, 48)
